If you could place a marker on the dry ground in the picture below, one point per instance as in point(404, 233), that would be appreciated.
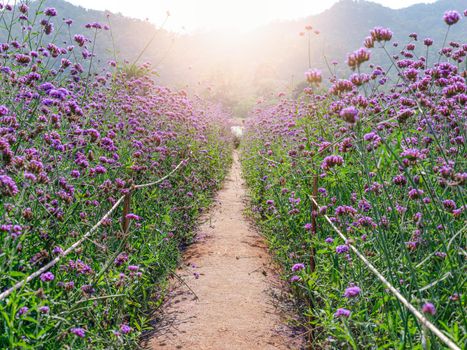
point(225, 300)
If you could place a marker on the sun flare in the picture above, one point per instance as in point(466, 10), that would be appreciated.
point(238, 15)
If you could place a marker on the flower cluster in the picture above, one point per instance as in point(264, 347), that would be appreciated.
point(383, 154)
point(314, 76)
point(73, 140)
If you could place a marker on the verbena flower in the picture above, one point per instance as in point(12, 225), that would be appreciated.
point(80, 332)
point(23, 310)
point(298, 267)
point(8, 186)
point(50, 11)
point(313, 76)
point(451, 17)
point(355, 59)
point(125, 329)
point(80, 39)
point(341, 249)
point(132, 216)
point(47, 276)
point(44, 309)
point(331, 161)
point(381, 34)
point(428, 42)
point(429, 308)
point(341, 312)
point(352, 292)
point(349, 114)
point(295, 278)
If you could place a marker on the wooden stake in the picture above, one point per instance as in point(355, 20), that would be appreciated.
point(314, 226)
point(126, 211)
point(314, 230)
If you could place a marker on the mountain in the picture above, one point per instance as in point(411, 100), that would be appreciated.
point(237, 68)
point(344, 26)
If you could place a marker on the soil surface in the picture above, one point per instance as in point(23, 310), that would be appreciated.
point(224, 295)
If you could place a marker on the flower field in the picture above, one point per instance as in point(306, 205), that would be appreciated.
point(374, 164)
point(358, 182)
point(76, 142)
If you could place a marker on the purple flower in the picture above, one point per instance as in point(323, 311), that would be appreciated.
point(80, 332)
point(69, 285)
point(133, 268)
point(349, 114)
point(23, 310)
point(369, 42)
point(451, 17)
point(352, 292)
point(125, 329)
point(95, 25)
point(364, 205)
point(75, 174)
point(100, 169)
point(8, 186)
point(133, 217)
point(44, 309)
point(355, 59)
point(340, 249)
point(449, 205)
point(88, 289)
point(331, 161)
point(415, 193)
point(412, 154)
point(399, 180)
point(121, 259)
point(295, 278)
point(307, 227)
point(341, 312)
point(345, 210)
point(23, 8)
point(329, 240)
point(80, 39)
point(380, 34)
point(47, 276)
point(298, 267)
point(3, 110)
point(428, 42)
point(57, 250)
point(313, 76)
point(50, 11)
point(429, 308)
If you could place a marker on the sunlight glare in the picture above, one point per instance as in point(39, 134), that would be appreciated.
point(234, 15)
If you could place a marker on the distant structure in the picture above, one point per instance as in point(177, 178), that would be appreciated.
point(237, 131)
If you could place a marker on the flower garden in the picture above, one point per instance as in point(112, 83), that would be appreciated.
point(370, 172)
point(358, 185)
point(74, 141)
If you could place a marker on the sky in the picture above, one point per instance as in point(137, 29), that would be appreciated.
point(193, 15)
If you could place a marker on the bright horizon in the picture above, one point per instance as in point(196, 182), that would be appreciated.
point(239, 15)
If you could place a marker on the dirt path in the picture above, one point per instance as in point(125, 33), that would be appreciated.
point(229, 270)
